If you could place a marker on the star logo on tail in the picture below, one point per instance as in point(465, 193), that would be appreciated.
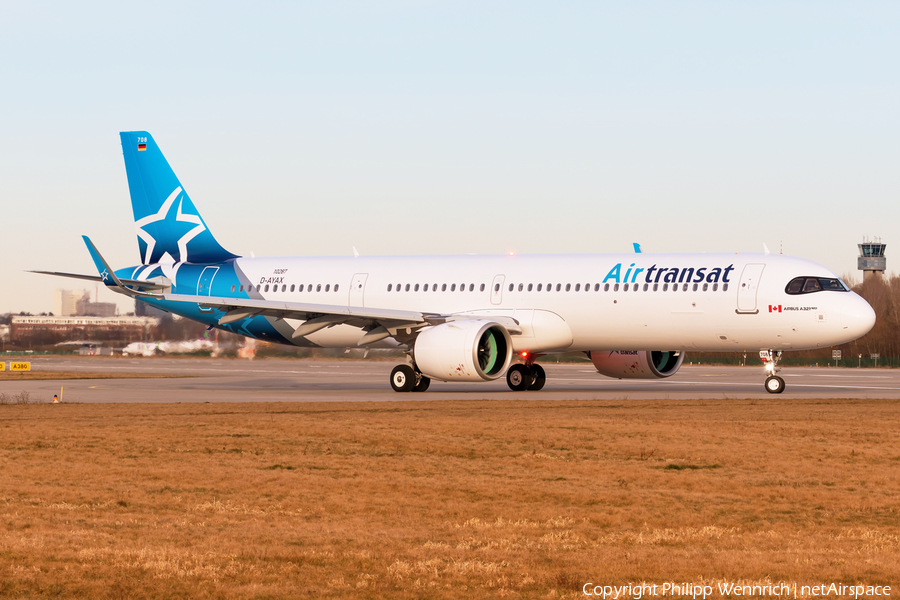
point(171, 224)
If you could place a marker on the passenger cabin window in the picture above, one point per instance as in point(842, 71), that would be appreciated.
point(292, 287)
point(416, 289)
point(390, 285)
point(335, 287)
point(809, 285)
point(482, 287)
point(471, 287)
point(242, 289)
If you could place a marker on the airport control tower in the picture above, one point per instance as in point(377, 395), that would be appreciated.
point(871, 259)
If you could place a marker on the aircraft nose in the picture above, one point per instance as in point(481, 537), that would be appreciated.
point(859, 318)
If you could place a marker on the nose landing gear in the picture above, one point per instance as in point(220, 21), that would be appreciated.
point(774, 383)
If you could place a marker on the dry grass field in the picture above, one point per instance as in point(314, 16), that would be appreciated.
point(443, 499)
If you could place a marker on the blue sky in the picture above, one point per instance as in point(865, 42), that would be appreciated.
point(443, 128)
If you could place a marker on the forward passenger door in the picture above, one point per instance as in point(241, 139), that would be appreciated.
point(748, 287)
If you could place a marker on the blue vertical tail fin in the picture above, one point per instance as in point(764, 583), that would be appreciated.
point(169, 227)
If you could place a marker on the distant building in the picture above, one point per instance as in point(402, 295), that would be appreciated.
point(55, 329)
point(4, 333)
point(65, 302)
point(871, 261)
point(70, 303)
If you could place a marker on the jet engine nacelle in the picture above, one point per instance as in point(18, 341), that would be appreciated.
point(644, 364)
point(466, 350)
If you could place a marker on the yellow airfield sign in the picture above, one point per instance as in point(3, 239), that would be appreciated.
point(20, 366)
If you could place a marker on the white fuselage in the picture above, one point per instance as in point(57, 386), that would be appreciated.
point(708, 302)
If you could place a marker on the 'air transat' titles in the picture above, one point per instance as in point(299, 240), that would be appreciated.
point(670, 274)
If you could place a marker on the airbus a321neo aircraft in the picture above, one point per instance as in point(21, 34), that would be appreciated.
point(476, 318)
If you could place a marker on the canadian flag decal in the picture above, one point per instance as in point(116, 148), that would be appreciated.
point(774, 308)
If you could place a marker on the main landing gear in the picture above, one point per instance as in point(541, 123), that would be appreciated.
point(406, 379)
point(530, 376)
point(774, 383)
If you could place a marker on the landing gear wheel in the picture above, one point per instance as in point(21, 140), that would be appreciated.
point(423, 384)
point(538, 378)
point(403, 378)
point(518, 378)
point(774, 384)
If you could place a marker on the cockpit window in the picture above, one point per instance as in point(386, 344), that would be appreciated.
point(811, 285)
point(808, 285)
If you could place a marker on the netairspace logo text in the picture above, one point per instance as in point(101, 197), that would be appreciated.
point(694, 590)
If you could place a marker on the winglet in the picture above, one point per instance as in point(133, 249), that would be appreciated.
point(637, 247)
point(107, 275)
point(766, 249)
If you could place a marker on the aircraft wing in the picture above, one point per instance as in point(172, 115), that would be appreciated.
point(297, 310)
point(378, 323)
point(131, 282)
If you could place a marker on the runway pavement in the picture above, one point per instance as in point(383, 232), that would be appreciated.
point(285, 380)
